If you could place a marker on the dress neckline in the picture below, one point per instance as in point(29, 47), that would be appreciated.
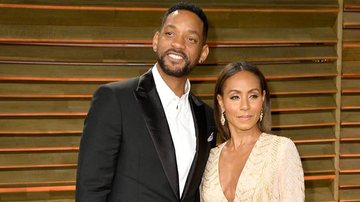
point(244, 170)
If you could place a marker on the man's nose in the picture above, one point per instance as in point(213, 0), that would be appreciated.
point(178, 42)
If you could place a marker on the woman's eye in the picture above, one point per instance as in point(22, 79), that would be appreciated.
point(253, 96)
point(234, 97)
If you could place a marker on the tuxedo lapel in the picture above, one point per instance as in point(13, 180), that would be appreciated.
point(158, 128)
point(200, 157)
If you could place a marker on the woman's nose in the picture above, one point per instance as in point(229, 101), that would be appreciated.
point(244, 104)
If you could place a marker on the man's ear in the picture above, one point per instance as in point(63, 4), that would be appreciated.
point(155, 41)
point(204, 53)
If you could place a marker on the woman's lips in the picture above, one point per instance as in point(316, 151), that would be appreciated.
point(245, 117)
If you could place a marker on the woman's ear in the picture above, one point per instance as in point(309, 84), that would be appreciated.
point(220, 102)
point(263, 95)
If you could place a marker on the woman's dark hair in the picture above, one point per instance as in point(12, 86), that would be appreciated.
point(192, 8)
point(227, 72)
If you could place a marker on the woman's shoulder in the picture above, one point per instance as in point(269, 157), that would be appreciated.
point(215, 152)
point(278, 141)
point(276, 138)
point(281, 148)
point(218, 148)
point(214, 157)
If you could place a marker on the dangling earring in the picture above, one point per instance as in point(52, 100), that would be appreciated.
point(222, 118)
point(261, 115)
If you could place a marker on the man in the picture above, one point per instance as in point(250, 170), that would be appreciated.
point(147, 138)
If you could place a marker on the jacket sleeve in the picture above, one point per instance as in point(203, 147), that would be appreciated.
point(99, 147)
point(291, 174)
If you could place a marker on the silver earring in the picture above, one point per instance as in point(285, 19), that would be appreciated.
point(261, 115)
point(222, 118)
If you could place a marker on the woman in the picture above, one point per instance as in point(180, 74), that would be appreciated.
point(250, 164)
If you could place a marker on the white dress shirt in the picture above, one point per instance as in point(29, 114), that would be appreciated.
point(181, 123)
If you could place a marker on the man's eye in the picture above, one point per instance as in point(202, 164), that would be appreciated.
point(169, 33)
point(192, 40)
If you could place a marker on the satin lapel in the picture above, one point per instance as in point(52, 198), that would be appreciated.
point(201, 144)
point(158, 128)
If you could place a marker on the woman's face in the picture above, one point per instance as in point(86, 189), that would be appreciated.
point(242, 101)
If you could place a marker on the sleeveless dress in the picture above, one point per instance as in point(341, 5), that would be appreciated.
point(273, 172)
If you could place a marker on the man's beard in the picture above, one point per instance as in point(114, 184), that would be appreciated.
point(180, 72)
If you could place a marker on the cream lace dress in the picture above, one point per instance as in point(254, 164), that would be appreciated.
point(273, 172)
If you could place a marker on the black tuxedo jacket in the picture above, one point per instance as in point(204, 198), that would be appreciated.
point(126, 150)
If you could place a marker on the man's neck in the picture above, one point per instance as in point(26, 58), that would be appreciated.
point(176, 84)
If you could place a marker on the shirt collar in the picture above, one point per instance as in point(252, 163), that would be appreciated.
point(165, 93)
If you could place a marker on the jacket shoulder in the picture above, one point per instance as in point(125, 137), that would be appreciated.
point(121, 85)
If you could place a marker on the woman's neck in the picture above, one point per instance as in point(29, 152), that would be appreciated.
point(243, 138)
